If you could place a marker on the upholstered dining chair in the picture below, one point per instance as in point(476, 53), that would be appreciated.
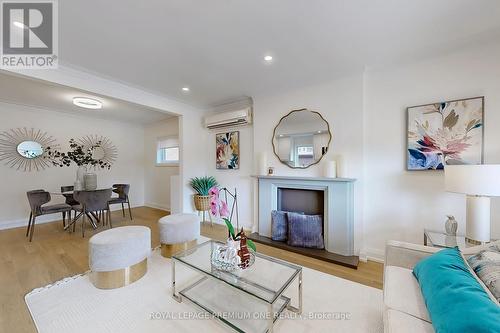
point(122, 191)
point(70, 200)
point(91, 203)
point(37, 199)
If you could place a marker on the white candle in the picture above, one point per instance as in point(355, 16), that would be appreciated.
point(331, 169)
point(262, 163)
point(340, 166)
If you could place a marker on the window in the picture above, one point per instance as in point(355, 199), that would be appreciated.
point(167, 152)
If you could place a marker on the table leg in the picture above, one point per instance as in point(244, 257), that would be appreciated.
point(299, 308)
point(178, 298)
point(270, 324)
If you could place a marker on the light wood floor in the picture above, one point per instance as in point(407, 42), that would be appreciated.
point(55, 254)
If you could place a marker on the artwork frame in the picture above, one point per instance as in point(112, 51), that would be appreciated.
point(227, 150)
point(445, 133)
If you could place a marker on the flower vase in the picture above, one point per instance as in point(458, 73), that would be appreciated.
point(90, 181)
point(80, 177)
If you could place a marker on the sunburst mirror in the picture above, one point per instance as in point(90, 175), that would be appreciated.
point(26, 149)
point(102, 148)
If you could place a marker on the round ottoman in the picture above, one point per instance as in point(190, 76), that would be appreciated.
point(119, 256)
point(178, 232)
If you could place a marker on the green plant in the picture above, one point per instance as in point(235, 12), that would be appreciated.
point(203, 184)
point(237, 237)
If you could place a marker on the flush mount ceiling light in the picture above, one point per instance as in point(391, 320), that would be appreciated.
point(185, 89)
point(268, 58)
point(87, 103)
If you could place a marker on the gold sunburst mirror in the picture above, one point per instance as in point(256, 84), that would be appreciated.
point(26, 149)
point(102, 148)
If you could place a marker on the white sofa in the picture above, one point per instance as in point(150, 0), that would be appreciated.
point(405, 309)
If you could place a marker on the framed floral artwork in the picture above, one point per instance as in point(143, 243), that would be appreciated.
point(228, 150)
point(445, 133)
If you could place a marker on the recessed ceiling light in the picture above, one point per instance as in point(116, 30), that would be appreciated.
point(87, 103)
point(319, 132)
point(268, 58)
point(185, 89)
point(18, 24)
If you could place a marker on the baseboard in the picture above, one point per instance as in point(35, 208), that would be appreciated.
point(157, 206)
point(370, 254)
point(46, 219)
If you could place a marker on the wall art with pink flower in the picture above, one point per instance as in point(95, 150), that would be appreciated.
point(445, 133)
point(228, 150)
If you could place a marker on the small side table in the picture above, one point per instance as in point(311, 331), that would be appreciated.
point(442, 240)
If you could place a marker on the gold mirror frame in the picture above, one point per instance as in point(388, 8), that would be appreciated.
point(327, 145)
point(10, 140)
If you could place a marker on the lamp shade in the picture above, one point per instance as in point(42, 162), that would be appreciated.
point(482, 180)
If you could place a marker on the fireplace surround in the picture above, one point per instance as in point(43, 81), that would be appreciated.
point(304, 193)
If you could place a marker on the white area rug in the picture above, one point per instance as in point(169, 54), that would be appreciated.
point(75, 305)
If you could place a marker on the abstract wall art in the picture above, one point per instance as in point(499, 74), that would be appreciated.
point(228, 150)
point(445, 133)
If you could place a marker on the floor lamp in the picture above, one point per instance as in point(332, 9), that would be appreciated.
point(479, 183)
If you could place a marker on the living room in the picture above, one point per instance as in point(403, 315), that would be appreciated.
point(351, 223)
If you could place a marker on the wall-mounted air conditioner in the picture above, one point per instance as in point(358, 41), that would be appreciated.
point(231, 118)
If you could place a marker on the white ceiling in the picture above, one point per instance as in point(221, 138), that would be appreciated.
point(23, 91)
point(216, 47)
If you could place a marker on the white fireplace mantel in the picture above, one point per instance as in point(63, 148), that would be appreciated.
point(338, 214)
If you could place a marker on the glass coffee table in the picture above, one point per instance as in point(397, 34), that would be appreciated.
point(249, 300)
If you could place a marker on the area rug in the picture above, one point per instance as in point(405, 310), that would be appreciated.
point(330, 304)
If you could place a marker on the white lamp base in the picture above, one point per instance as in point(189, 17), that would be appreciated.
point(478, 219)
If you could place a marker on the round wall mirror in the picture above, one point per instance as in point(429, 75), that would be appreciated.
point(30, 149)
point(301, 138)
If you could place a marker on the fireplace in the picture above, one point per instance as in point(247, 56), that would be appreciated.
point(310, 202)
point(332, 198)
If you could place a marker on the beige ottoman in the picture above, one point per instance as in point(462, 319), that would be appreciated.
point(119, 256)
point(178, 232)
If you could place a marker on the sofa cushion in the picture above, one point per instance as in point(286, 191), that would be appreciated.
point(486, 264)
point(402, 292)
point(451, 291)
point(399, 322)
point(279, 225)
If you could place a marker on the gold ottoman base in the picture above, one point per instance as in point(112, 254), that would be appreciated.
point(120, 277)
point(167, 250)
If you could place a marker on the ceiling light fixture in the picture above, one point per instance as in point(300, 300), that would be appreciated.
point(268, 58)
point(87, 103)
point(185, 89)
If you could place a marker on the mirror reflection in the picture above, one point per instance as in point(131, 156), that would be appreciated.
point(30, 149)
point(98, 153)
point(301, 138)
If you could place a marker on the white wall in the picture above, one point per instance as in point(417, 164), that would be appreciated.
point(128, 168)
point(157, 178)
point(399, 204)
point(341, 104)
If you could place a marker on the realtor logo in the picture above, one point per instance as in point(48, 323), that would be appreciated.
point(29, 34)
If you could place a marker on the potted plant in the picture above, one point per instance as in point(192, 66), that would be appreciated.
point(202, 186)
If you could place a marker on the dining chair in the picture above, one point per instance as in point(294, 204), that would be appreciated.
point(122, 191)
point(91, 203)
point(70, 200)
point(37, 199)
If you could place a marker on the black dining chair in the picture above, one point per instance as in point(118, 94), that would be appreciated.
point(37, 199)
point(70, 200)
point(91, 203)
point(122, 191)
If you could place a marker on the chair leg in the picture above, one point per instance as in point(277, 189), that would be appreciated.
point(129, 210)
point(32, 228)
point(123, 210)
point(64, 219)
point(29, 225)
point(109, 218)
point(84, 218)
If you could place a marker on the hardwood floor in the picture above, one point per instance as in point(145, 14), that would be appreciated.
point(55, 254)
